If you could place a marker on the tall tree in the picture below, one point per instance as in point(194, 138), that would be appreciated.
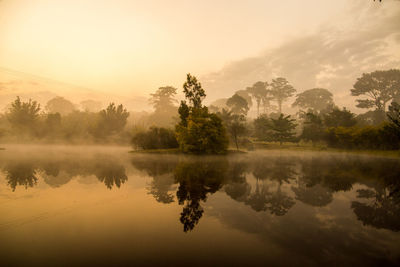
point(199, 131)
point(281, 90)
point(245, 95)
point(257, 91)
point(238, 105)
point(379, 87)
point(163, 98)
point(315, 99)
point(165, 110)
point(266, 99)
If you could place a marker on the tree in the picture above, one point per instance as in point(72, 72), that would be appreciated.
point(257, 91)
point(316, 99)
point(194, 93)
point(313, 128)
point(163, 98)
point(262, 127)
point(245, 95)
point(282, 128)
point(235, 124)
point(281, 90)
point(23, 115)
point(164, 109)
point(379, 87)
point(337, 118)
point(199, 131)
point(111, 120)
point(394, 114)
point(60, 105)
point(238, 105)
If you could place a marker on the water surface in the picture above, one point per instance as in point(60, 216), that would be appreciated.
point(64, 206)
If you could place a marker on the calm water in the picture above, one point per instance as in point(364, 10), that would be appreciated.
point(103, 206)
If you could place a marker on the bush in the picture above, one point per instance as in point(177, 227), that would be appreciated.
point(384, 136)
point(155, 138)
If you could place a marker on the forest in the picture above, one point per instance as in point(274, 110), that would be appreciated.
point(225, 124)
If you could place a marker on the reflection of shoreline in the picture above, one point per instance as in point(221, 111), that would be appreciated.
point(265, 183)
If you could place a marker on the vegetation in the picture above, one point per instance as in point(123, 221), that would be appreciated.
point(199, 131)
point(155, 138)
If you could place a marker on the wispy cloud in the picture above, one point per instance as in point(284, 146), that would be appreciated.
point(367, 38)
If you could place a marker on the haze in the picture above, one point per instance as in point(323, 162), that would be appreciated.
point(132, 48)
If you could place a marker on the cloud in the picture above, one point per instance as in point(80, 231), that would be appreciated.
point(367, 38)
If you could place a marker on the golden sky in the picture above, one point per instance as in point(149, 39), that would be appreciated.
point(133, 47)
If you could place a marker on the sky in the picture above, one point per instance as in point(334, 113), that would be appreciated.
point(134, 47)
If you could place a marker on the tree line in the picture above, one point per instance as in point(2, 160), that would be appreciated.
point(319, 120)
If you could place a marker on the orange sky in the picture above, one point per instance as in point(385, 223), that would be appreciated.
point(134, 47)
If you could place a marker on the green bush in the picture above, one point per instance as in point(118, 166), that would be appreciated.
point(155, 138)
point(384, 136)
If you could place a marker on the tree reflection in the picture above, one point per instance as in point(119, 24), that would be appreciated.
point(196, 180)
point(111, 173)
point(20, 174)
point(381, 205)
point(161, 170)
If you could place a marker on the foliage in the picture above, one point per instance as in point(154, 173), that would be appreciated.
point(379, 87)
point(313, 128)
point(281, 90)
point(316, 99)
point(204, 133)
point(199, 131)
point(337, 118)
point(258, 91)
point(384, 137)
point(164, 109)
point(111, 120)
point(280, 129)
point(60, 105)
point(394, 114)
point(194, 93)
point(23, 116)
point(155, 138)
point(235, 125)
point(238, 105)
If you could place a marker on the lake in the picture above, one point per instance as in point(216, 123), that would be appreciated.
point(95, 206)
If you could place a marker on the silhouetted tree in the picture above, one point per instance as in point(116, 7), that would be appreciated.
point(111, 120)
point(23, 115)
point(257, 91)
point(282, 128)
point(281, 90)
point(238, 105)
point(163, 102)
point(315, 99)
point(379, 87)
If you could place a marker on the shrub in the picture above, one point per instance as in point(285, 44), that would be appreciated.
point(155, 138)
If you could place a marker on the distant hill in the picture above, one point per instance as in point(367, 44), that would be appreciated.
point(29, 86)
